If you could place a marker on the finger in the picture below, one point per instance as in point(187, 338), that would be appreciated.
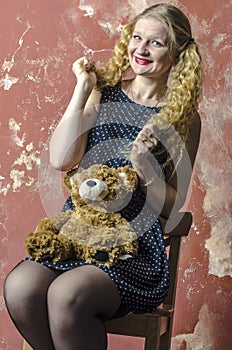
point(142, 136)
point(78, 66)
point(150, 131)
point(142, 147)
point(81, 65)
point(145, 134)
point(88, 64)
point(149, 144)
point(153, 141)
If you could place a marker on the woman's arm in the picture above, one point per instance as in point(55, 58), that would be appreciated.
point(165, 195)
point(68, 142)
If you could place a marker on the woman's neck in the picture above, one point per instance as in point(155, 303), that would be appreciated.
point(146, 91)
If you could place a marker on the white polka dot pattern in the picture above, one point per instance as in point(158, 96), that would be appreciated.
point(141, 281)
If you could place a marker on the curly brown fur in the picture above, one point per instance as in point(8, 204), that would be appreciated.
point(43, 245)
point(89, 232)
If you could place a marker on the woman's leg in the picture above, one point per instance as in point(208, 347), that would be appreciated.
point(78, 302)
point(25, 294)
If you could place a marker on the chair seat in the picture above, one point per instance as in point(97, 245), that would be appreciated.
point(133, 325)
point(136, 325)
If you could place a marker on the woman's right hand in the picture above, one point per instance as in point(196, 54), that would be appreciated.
point(84, 70)
point(144, 143)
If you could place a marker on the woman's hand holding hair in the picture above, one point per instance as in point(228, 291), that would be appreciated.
point(84, 70)
point(160, 195)
point(68, 142)
point(144, 143)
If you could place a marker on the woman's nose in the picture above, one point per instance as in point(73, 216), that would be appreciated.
point(142, 49)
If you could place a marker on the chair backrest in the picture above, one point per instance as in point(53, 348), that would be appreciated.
point(173, 241)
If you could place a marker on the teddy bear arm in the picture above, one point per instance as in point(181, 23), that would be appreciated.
point(48, 246)
point(61, 219)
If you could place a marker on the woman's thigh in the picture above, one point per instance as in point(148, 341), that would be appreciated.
point(85, 289)
point(27, 280)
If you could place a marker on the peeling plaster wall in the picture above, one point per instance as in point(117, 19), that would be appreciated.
point(40, 40)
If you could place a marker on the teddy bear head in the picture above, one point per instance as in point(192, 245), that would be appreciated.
point(100, 184)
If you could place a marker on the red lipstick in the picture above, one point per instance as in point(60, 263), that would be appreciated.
point(142, 61)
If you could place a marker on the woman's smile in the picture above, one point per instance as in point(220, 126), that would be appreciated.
point(142, 61)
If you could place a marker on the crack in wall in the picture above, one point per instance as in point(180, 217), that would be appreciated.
point(88, 51)
point(8, 81)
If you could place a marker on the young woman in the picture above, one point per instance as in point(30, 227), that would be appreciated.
point(154, 115)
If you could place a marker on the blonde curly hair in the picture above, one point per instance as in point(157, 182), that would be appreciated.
point(185, 77)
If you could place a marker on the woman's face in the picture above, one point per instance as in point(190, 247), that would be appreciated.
point(148, 52)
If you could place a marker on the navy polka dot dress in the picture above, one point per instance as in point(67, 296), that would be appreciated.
point(141, 281)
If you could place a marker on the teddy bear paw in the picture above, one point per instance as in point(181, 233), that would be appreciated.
point(101, 256)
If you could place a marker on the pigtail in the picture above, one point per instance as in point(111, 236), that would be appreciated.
point(181, 102)
point(182, 95)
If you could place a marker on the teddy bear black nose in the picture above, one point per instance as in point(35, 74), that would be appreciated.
point(91, 183)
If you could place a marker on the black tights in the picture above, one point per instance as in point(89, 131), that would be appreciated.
point(61, 311)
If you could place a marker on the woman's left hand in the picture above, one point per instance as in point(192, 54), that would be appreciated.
point(144, 143)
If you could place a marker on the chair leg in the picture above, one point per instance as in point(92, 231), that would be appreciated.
point(152, 339)
point(165, 339)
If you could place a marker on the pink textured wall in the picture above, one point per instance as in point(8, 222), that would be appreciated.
point(39, 41)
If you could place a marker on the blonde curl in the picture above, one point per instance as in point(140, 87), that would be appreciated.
point(117, 65)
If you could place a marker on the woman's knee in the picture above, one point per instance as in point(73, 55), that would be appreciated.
point(14, 286)
point(67, 296)
point(26, 284)
point(85, 291)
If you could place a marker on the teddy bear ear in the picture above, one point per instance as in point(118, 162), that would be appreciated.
point(129, 177)
point(71, 176)
point(74, 178)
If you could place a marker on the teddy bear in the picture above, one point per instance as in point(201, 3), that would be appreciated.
point(95, 231)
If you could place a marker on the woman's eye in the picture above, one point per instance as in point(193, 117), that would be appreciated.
point(136, 37)
point(156, 43)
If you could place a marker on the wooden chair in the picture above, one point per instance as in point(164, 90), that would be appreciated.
point(155, 327)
